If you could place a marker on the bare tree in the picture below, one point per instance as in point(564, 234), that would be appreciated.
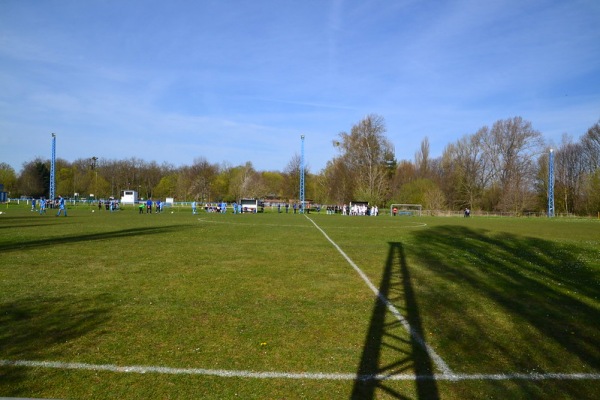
point(292, 174)
point(467, 168)
point(150, 175)
point(406, 172)
point(512, 146)
point(591, 188)
point(422, 159)
point(569, 174)
point(591, 147)
point(246, 182)
point(591, 163)
point(201, 176)
point(338, 182)
point(126, 174)
point(365, 151)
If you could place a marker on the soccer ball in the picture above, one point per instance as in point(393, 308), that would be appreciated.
point(171, 212)
point(93, 210)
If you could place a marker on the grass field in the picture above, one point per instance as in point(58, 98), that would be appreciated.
point(283, 306)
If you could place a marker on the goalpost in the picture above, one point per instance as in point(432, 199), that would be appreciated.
point(406, 209)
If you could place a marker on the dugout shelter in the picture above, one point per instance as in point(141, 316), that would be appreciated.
point(129, 197)
point(249, 205)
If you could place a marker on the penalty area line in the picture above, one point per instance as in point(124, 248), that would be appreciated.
point(139, 369)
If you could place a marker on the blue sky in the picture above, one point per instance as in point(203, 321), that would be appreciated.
point(237, 81)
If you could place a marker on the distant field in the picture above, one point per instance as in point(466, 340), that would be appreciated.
point(284, 306)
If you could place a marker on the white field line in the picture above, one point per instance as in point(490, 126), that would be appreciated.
point(252, 223)
point(139, 369)
point(447, 375)
point(229, 222)
point(439, 362)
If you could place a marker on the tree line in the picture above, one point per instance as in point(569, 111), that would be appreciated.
point(502, 168)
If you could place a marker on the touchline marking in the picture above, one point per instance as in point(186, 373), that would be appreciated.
point(139, 369)
point(439, 362)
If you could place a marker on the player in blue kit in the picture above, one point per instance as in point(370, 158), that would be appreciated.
point(61, 206)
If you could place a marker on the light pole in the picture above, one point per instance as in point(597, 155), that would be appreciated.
point(94, 159)
point(52, 191)
point(551, 184)
point(302, 175)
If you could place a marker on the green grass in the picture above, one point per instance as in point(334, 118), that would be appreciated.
point(268, 292)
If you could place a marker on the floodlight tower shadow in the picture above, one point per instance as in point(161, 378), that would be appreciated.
point(408, 353)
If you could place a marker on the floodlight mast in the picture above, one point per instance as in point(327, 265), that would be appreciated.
point(551, 184)
point(52, 191)
point(302, 175)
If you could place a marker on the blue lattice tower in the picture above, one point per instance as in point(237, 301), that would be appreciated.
point(52, 169)
point(551, 184)
point(302, 175)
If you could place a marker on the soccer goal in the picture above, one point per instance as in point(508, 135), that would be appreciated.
point(406, 209)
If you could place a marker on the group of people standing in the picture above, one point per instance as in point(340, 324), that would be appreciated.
point(43, 204)
point(110, 205)
point(213, 208)
point(360, 209)
point(158, 206)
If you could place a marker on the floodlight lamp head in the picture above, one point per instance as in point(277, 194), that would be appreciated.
point(54, 135)
point(301, 136)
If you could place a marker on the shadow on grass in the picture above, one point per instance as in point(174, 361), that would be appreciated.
point(532, 304)
point(26, 221)
point(21, 245)
point(403, 352)
point(37, 328)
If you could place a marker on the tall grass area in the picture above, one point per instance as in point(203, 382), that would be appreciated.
point(269, 293)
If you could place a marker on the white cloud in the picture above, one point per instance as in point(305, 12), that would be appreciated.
point(109, 81)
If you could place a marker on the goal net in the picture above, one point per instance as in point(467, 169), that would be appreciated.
point(406, 209)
